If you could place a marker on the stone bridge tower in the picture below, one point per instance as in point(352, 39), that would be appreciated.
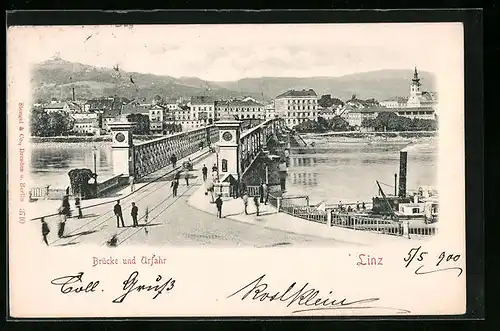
point(229, 146)
point(122, 148)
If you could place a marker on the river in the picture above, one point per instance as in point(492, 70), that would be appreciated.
point(335, 171)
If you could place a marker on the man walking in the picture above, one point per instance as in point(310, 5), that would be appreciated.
point(45, 230)
point(132, 184)
point(261, 192)
point(174, 185)
point(186, 177)
point(245, 201)
point(204, 171)
point(134, 213)
point(218, 203)
point(256, 202)
point(78, 207)
point(173, 159)
point(265, 192)
point(118, 213)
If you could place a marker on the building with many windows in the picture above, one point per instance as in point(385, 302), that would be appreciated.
point(202, 111)
point(297, 106)
point(249, 109)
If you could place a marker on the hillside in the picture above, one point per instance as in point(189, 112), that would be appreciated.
point(380, 85)
point(56, 77)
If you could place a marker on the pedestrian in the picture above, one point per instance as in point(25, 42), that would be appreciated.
point(204, 171)
point(45, 230)
point(132, 184)
point(218, 203)
point(173, 159)
point(134, 213)
point(256, 202)
point(118, 213)
point(210, 190)
point(357, 206)
point(245, 201)
point(65, 212)
point(261, 192)
point(363, 206)
point(265, 191)
point(186, 177)
point(341, 207)
point(78, 207)
point(174, 185)
point(214, 168)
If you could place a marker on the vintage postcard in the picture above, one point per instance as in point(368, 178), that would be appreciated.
point(236, 170)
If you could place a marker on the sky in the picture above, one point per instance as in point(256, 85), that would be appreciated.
point(232, 52)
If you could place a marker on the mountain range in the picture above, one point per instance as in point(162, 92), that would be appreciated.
point(56, 77)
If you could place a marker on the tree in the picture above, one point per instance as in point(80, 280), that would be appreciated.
point(390, 121)
point(142, 123)
point(43, 124)
point(338, 123)
point(79, 181)
point(157, 100)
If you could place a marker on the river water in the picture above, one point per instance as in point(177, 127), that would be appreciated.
point(334, 171)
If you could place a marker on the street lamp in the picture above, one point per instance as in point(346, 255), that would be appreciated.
point(217, 150)
point(95, 163)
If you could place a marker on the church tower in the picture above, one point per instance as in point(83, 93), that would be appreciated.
point(415, 84)
point(415, 93)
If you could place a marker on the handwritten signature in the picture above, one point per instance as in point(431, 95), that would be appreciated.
point(308, 299)
point(75, 284)
point(445, 261)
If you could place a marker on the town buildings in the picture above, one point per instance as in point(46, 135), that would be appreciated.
point(241, 109)
point(297, 106)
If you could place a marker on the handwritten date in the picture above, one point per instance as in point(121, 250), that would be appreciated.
point(445, 261)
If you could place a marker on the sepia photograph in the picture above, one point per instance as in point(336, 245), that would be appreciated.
point(276, 140)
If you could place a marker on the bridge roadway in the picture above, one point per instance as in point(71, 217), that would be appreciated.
point(171, 221)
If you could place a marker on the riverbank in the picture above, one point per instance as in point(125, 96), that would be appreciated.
point(86, 139)
point(361, 135)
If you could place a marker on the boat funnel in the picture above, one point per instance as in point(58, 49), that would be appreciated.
point(403, 160)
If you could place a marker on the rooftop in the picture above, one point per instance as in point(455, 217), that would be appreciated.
point(297, 94)
point(390, 110)
point(202, 100)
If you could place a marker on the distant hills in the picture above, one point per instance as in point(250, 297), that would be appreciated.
point(56, 77)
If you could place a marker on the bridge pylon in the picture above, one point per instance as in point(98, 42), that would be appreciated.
point(122, 148)
point(229, 147)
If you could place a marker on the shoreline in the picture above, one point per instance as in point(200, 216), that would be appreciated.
point(85, 139)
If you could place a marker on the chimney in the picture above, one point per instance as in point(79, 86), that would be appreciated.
point(403, 158)
point(73, 93)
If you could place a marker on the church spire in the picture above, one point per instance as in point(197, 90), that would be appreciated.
point(416, 80)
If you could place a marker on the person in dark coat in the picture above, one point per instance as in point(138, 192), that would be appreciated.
point(78, 207)
point(173, 159)
point(256, 202)
point(134, 213)
point(204, 171)
point(265, 191)
point(65, 212)
point(218, 203)
point(261, 192)
point(174, 185)
point(45, 231)
point(118, 213)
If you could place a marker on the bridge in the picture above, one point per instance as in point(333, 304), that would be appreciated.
point(236, 150)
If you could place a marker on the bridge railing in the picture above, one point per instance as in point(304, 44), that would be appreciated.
point(153, 155)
